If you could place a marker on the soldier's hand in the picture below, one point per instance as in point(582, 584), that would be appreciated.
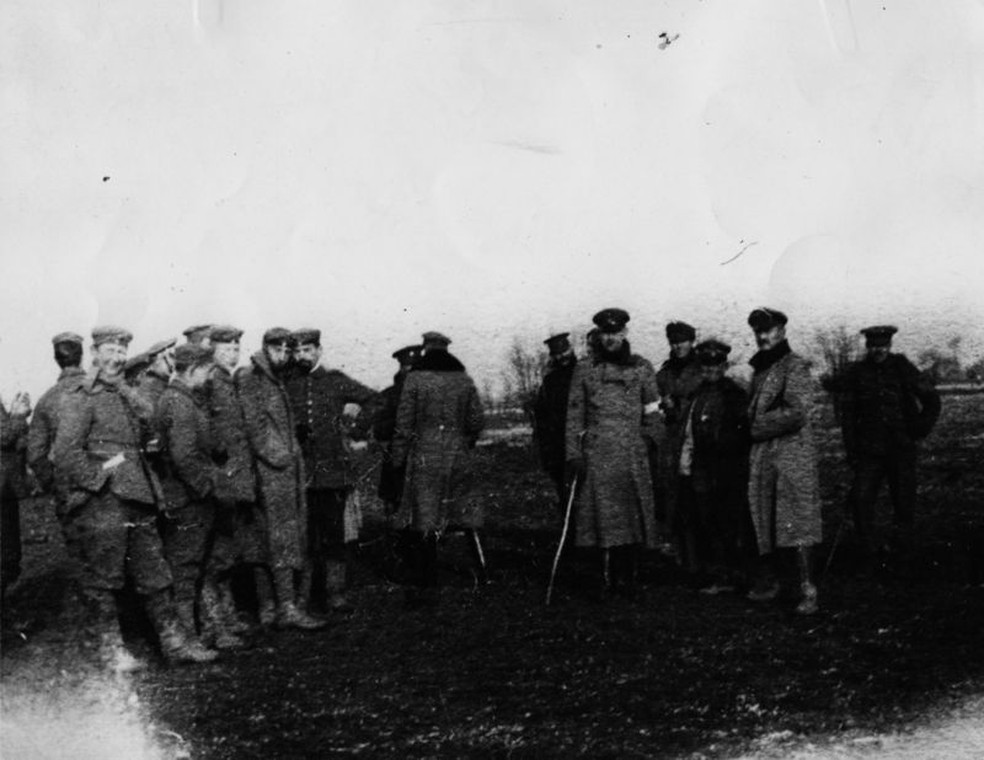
point(113, 462)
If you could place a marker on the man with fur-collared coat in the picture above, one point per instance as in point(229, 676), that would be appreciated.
point(784, 484)
point(438, 421)
point(613, 397)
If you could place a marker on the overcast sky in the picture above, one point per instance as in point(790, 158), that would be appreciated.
point(487, 169)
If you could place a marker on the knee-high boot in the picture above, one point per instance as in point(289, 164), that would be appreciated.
point(103, 629)
point(289, 615)
point(177, 644)
point(808, 604)
point(266, 604)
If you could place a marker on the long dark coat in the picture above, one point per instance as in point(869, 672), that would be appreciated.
point(887, 407)
point(187, 445)
point(550, 418)
point(606, 409)
point(13, 429)
point(44, 425)
point(718, 415)
point(678, 381)
point(437, 422)
point(318, 400)
point(783, 483)
point(236, 476)
point(279, 464)
point(391, 477)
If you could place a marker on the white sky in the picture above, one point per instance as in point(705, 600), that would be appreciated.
point(487, 169)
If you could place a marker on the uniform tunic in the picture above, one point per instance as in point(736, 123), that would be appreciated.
point(44, 424)
point(607, 406)
point(550, 417)
point(783, 484)
point(113, 512)
point(438, 421)
point(678, 381)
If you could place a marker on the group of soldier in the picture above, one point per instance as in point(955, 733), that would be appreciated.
point(177, 469)
point(686, 460)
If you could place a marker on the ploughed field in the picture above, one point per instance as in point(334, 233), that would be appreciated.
point(493, 672)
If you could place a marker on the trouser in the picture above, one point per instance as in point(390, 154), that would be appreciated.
point(326, 535)
point(10, 538)
point(899, 468)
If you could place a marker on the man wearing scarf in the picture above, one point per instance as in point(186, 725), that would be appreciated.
point(784, 485)
point(613, 396)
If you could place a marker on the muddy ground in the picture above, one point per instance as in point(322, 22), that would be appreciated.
point(493, 672)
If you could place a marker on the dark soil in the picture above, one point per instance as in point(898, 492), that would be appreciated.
point(492, 672)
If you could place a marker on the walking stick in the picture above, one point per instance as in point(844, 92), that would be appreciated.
point(563, 539)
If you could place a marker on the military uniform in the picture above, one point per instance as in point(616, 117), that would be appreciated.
point(888, 406)
point(318, 398)
point(438, 422)
point(712, 463)
point(114, 509)
point(612, 398)
point(281, 480)
point(550, 411)
point(44, 425)
point(677, 380)
point(391, 477)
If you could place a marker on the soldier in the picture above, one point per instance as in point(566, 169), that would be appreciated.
point(13, 434)
point(550, 411)
point(319, 397)
point(783, 485)
point(240, 522)
point(888, 407)
point(280, 473)
point(384, 427)
point(712, 463)
point(438, 422)
point(198, 334)
point(677, 379)
point(159, 359)
point(189, 450)
point(612, 398)
point(44, 423)
point(112, 498)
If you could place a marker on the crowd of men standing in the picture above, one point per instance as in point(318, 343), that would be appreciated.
point(687, 460)
point(175, 470)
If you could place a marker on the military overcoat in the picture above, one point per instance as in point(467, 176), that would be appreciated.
point(279, 464)
point(783, 484)
point(606, 410)
point(438, 421)
point(187, 444)
point(44, 424)
point(236, 476)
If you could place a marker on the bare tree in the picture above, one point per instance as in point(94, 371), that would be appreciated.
point(522, 376)
point(838, 347)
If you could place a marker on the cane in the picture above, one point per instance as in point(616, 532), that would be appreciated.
point(563, 539)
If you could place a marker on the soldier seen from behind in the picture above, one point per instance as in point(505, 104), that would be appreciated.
point(112, 500)
point(613, 397)
point(784, 483)
point(888, 406)
point(319, 397)
point(271, 429)
point(713, 476)
point(438, 423)
point(391, 477)
point(550, 411)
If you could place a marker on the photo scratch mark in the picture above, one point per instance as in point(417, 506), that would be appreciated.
point(740, 252)
point(545, 149)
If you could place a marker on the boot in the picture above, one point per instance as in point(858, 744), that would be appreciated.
point(335, 584)
point(766, 587)
point(216, 627)
point(104, 630)
point(227, 608)
point(808, 600)
point(266, 608)
point(422, 591)
point(184, 607)
point(177, 644)
point(288, 613)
